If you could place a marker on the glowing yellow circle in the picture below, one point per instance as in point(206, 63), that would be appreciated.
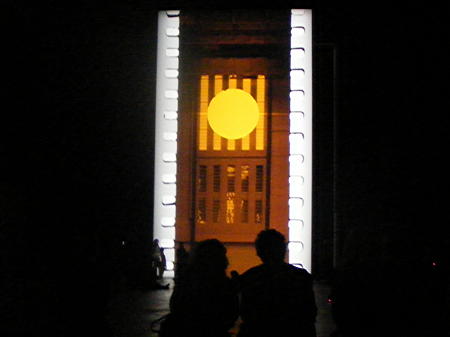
point(233, 113)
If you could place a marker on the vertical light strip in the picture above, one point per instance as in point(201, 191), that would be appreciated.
point(166, 127)
point(247, 87)
point(218, 84)
point(300, 139)
point(203, 123)
point(232, 84)
point(260, 99)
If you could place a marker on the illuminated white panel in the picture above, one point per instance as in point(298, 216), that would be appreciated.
point(166, 128)
point(170, 257)
point(168, 200)
point(295, 165)
point(166, 243)
point(295, 228)
point(297, 58)
point(167, 222)
point(296, 122)
point(296, 184)
point(169, 157)
point(300, 139)
point(296, 253)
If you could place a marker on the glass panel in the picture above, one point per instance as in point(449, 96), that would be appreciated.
point(202, 174)
point(230, 208)
point(216, 178)
point(258, 211)
point(259, 178)
point(244, 178)
point(231, 181)
point(244, 211)
point(216, 210)
point(218, 85)
point(201, 211)
point(260, 98)
point(246, 86)
point(203, 124)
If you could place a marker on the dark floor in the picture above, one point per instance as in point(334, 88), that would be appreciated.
point(132, 311)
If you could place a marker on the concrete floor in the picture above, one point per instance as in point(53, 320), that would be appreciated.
point(131, 312)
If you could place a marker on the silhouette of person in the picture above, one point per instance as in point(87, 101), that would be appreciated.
point(163, 263)
point(203, 303)
point(158, 259)
point(277, 299)
point(181, 260)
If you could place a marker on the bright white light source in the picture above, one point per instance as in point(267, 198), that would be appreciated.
point(169, 157)
point(295, 122)
point(171, 115)
point(172, 52)
point(172, 32)
point(170, 254)
point(169, 178)
point(171, 94)
point(297, 58)
point(167, 222)
point(296, 145)
point(171, 73)
point(296, 185)
point(297, 76)
point(168, 200)
point(295, 165)
point(166, 128)
point(300, 139)
point(170, 136)
point(166, 243)
point(296, 252)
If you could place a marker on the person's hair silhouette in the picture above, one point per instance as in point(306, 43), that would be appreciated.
point(270, 246)
point(204, 302)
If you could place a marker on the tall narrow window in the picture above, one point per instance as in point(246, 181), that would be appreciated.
point(218, 84)
point(203, 121)
point(202, 174)
point(231, 175)
point(232, 84)
point(216, 210)
point(260, 98)
point(244, 178)
point(247, 87)
point(216, 178)
point(259, 178)
point(244, 211)
point(258, 211)
point(230, 208)
point(201, 211)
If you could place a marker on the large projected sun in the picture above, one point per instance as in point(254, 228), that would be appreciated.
point(233, 113)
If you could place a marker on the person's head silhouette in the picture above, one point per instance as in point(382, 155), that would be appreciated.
point(209, 256)
point(270, 246)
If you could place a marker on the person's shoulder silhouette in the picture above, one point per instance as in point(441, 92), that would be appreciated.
point(277, 298)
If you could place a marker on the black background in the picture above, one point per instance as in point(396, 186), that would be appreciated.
point(77, 154)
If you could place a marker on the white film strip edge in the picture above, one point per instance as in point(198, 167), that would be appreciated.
point(300, 139)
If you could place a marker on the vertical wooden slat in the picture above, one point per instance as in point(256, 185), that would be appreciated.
point(260, 99)
point(218, 85)
point(203, 123)
point(232, 84)
point(247, 87)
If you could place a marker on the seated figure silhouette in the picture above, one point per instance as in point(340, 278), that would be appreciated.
point(277, 298)
point(204, 303)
